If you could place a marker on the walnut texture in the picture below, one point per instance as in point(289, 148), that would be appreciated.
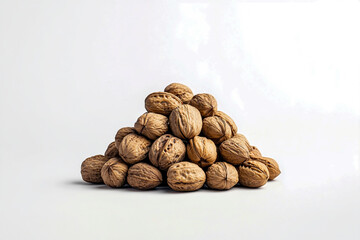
point(152, 125)
point(112, 151)
point(122, 133)
point(253, 174)
point(219, 127)
point(181, 91)
point(114, 172)
point(134, 148)
point(221, 176)
point(162, 102)
point(185, 177)
point(255, 151)
point(242, 137)
point(143, 176)
point(201, 151)
point(270, 163)
point(91, 168)
point(205, 103)
point(185, 122)
point(234, 151)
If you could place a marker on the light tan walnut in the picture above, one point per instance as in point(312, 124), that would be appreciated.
point(185, 122)
point(253, 174)
point(221, 176)
point(114, 172)
point(91, 168)
point(181, 91)
point(270, 163)
point(143, 176)
point(185, 176)
point(152, 125)
point(219, 127)
point(134, 148)
point(112, 151)
point(234, 151)
point(201, 151)
point(162, 102)
point(205, 103)
point(122, 133)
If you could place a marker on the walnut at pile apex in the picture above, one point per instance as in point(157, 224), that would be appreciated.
point(114, 172)
point(143, 176)
point(270, 163)
point(152, 125)
point(205, 103)
point(185, 122)
point(185, 177)
point(221, 176)
point(219, 127)
point(112, 151)
point(91, 168)
point(201, 151)
point(181, 91)
point(162, 102)
point(253, 174)
point(167, 150)
point(234, 151)
point(122, 133)
point(134, 148)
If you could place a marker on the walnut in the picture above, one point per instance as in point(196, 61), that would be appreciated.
point(185, 176)
point(152, 125)
point(242, 137)
point(181, 91)
point(255, 151)
point(167, 150)
point(114, 172)
point(185, 122)
point(205, 103)
point(234, 151)
point(221, 176)
point(253, 174)
point(112, 151)
point(143, 176)
point(91, 168)
point(219, 127)
point(134, 148)
point(162, 102)
point(270, 163)
point(122, 133)
point(201, 151)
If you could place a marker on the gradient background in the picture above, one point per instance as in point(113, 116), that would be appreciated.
point(73, 72)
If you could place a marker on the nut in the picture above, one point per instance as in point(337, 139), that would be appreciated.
point(185, 122)
point(114, 172)
point(181, 91)
point(253, 174)
point(134, 148)
point(112, 151)
point(221, 176)
point(219, 127)
point(152, 125)
point(242, 137)
point(185, 176)
point(122, 133)
point(162, 102)
point(255, 151)
point(234, 151)
point(205, 103)
point(167, 150)
point(270, 163)
point(201, 151)
point(91, 168)
point(143, 176)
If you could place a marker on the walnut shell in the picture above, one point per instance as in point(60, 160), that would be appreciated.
point(143, 176)
point(221, 176)
point(167, 150)
point(242, 137)
point(253, 174)
point(219, 127)
point(185, 122)
point(270, 163)
point(205, 103)
point(152, 125)
point(181, 91)
point(201, 151)
point(185, 176)
point(255, 151)
point(162, 102)
point(112, 151)
point(91, 168)
point(234, 151)
point(114, 172)
point(122, 133)
point(134, 148)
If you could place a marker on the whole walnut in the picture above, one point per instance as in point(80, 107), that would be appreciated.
point(253, 174)
point(185, 176)
point(270, 163)
point(162, 102)
point(181, 91)
point(205, 103)
point(134, 148)
point(112, 151)
point(185, 122)
point(167, 150)
point(242, 137)
point(221, 176)
point(152, 125)
point(255, 151)
point(91, 168)
point(143, 176)
point(201, 151)
point(219, 127)
point(114, 172)
point(234, 151)
point(122, 133)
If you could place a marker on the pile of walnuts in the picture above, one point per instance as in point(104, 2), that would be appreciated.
point(184, 141)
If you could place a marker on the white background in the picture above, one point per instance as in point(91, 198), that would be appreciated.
point(73, 72)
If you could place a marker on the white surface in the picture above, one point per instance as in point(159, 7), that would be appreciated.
point(73, 72)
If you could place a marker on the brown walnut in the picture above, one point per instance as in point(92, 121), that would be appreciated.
point(143, 176)
point(112, 151)
point(255, 151)
point(219, 127)
point(221, 176)
point(114, 172)
point(122, 133)
point(162, 102)
point(91, 168)
point(181, 91)
point(201, 151)
point(242, 137)
point(270, 163)
point(234, 151)
point(253, 174)
point(185, 122)
point(134, 148)
point(152, 125)
point(185, 176)
point(205, 103)
point(167, 150)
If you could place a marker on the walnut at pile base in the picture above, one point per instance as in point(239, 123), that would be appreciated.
point(181, 91)
point(112, 151)
point(162, 102)
point(221, 176)
point(122, 133)
point(143, 176)
point(253, 174)
point(185, 122)
point(114, 172)
point(134, 148)
point(152, 125)
point(219, 127)
point(185, 177)
point(201, 151)
point(270, 163)
point(234, 151)
point(91, 168)
point(205, 103)
point(167, 150)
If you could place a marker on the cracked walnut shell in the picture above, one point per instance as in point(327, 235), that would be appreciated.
point(91, 168)
point(143, 176)
point(134, 148)
point(181, 91)
point(185, 176)
point(221, 176)
point(205, 103)
point(162, 102)
point(122, 133)
point(234, 151)
point(185, 122)
point(219, 127)
point(114, 172)
point(152, 125)
point(201, 151)
point(253, 174)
